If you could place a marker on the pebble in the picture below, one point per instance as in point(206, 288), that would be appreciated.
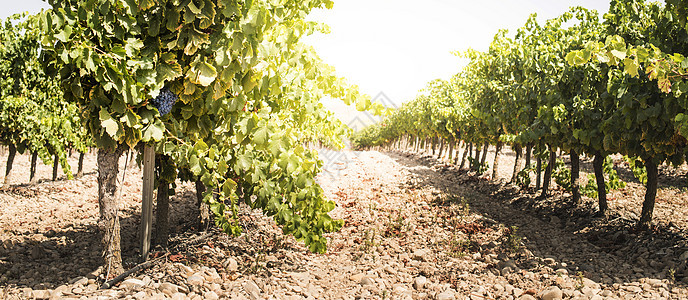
point(140, 295)
point(210, 295)
point(357, 277)
point(419, 282)
point(132, 284)
point(41, 294)
point(421, 254)
point(252, 289)
point(551, 293)
point(684, 256)
point(232, 265)
point(187, 271)
point(168, 288)
point(196, 280)
point(446, 295)
point(80, 281)
point(367, 281)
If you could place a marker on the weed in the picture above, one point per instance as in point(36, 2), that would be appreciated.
point(368, 240)
point(579, 280)
point(523, 176)
point(613, 183)
point(671, 274)
point(562, 175)
point(464, 207)
point(395, 225)
point(638, 168)
point(372, 207)
point(477, 167)
point(457, 247)
point(259, 264)
point(513, 240)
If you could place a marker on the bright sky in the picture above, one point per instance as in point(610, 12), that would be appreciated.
point(10, 7)
point(396, 46)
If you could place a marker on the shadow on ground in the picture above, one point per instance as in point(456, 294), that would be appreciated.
point(605, 249)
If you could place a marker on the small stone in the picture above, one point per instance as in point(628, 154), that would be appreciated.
point(517, 292)
point(79, 281)
point(195, 279)
point(92, 287)
point(210, 296)
point(683, 256)
point(252, 289)
point(179, 296)
point(140, 295)
point(398, 289)
point(357, 277)
point(77, 290)
point(633, 289)
point(168, 288)
point(62, 290)
point(157, 296)
point(367, 281)
point(549, 261)
point(41, 294)
point(509, 263)
point(562, 271)
point(589, 283)
point(231, 265)
point(26, 293)
point(132, 284)
point(552, 293)
point(419, 282)
point(655, 282)
point(526, 297)
point(186, 270)
point(390, 270)
point(446, 295)
point(421, 254)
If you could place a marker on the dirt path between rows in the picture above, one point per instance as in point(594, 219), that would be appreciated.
point(415, 229)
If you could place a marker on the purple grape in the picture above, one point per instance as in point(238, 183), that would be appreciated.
point(164, 101)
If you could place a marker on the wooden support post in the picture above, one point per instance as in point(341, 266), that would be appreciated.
point(147, 199)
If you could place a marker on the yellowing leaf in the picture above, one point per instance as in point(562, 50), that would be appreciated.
point(202, 73)
point(618, 54)
point(631, 67)
point(664, 85)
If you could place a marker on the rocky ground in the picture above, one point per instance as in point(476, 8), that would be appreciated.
point(416, 228)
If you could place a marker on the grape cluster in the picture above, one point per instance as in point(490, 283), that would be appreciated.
point(164, 101)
